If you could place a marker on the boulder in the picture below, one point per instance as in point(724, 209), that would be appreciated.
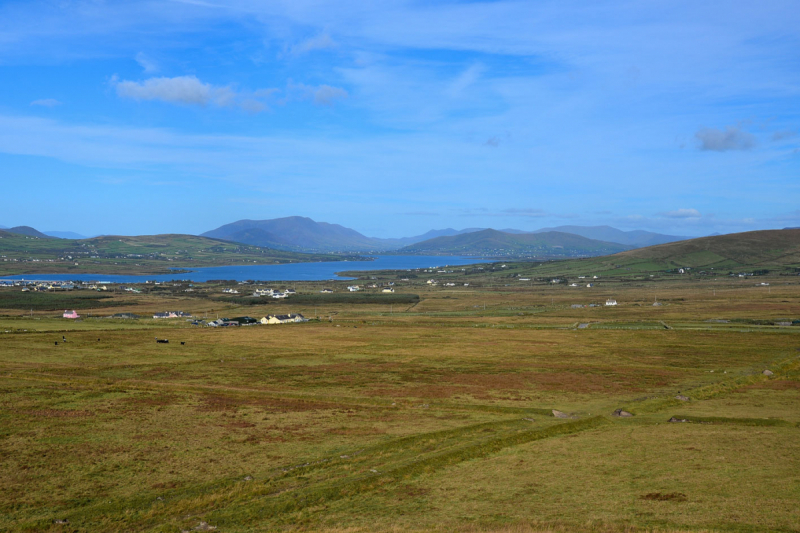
point(682, 398)
point(673, 419)
point(621, 413)
point(768, 372)
point(559, 414)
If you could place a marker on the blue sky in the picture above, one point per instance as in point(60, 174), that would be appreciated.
point(395, 117)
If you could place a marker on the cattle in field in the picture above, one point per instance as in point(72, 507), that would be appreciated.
point(162, 341)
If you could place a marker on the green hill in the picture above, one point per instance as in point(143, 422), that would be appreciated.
point(751, 252)
point(147, 254)
point(493, 243)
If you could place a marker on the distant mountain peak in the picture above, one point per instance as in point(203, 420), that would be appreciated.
point(28, 231)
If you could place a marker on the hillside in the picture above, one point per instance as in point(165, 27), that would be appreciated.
point(148, 254)
point(754, 249)
point(775, 251)
point(28, 231)
point(493, 243)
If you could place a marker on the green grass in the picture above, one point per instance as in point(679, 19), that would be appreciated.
point(50, 301)
point(760, 422)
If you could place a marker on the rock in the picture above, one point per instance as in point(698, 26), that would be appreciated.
point(529, 419)
point(559, 414)
point(620, 412)
point(768, 373)
point(64, 521)
point(673, 419)
point(682, 398)
point(248, 478)
point(204, 526)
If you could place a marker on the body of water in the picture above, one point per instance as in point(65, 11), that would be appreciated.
point(287, 272)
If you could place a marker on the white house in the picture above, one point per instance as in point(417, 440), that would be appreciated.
point(326, 291)
point(353, 288)
point(263, 292)
point(387, 289)
point(283, 319)
point(71, 314)
point(279, 295)
point(611, 301)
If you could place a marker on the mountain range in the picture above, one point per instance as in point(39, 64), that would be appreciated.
point(493, 243)
point(304, 234)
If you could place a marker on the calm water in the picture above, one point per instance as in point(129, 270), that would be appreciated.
point(294, 271)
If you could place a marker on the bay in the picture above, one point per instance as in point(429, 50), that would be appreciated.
point(286, 272)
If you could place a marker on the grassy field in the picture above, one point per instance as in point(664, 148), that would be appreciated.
point(431, 414)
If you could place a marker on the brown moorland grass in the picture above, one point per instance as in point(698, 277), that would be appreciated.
point(437, 418)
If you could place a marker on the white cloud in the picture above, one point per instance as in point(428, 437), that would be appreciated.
point(178, 90)
point(46, 102)
point(146, 63)
point(683, 213)
point(191, 91)
point(731, 138)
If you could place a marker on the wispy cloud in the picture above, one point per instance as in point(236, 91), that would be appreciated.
point(682, 213)
point(783, 135)
point(467, 78)
point(46, 102)
point(148, 65)
point(320, 94)
point(731, 138)
point(320, 42)
point(511, 212)
point(420, 214)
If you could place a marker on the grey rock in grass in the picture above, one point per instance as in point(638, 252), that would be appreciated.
point(768, 372)
point(248, 478)
point(204, 526)
point(682, 398)
point(673, 419)
point(560, 414)
point(621, 413)
point(64, 521)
